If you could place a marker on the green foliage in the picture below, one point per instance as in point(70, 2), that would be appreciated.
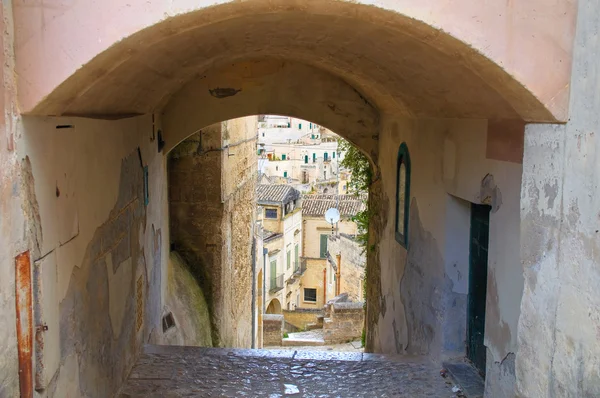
point(286, 335)
point(363, 337)
point(362, 174)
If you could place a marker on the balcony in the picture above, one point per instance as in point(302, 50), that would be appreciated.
point(300, 268)
point(276, 284)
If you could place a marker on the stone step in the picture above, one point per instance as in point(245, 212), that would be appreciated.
point(296, 342)
point(313, 326)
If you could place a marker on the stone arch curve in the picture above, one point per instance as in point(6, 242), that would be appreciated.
point(397, 56)
point(274, 307)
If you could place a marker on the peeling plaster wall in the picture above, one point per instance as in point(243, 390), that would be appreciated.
point(559, 338)
point(422, 306)
point(14, 236)
point(104, 246)
point(212, 199)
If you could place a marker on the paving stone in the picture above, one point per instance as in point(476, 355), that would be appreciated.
point(195, 372)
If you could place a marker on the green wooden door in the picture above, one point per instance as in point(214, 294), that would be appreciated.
point(323, 251)
point(478, 259)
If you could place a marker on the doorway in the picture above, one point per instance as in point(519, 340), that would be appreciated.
point(478, 264)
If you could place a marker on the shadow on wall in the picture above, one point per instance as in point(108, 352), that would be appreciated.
point(186, 319)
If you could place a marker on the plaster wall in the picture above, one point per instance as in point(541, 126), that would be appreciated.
point(313, 279)
point(314, 227)
point(99, 248)
point(422, 307)
point(353, 262)
point(14, 234)
point(559, 348)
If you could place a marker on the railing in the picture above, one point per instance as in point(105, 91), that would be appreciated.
point(276, 283)
point(300, 267)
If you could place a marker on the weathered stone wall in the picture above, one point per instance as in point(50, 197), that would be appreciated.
point(300, 318)
point(211, 203)
point(559, 345)
point(353, 261)
point(272, 330)
point(185, 301)
point(343, 322)
point(97, 248)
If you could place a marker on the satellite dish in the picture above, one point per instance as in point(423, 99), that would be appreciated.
point(332, 215)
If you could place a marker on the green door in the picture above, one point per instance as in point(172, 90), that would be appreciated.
point(478, 263)
point(323, 251)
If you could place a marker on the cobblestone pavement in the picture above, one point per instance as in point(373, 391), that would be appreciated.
point(354, 346)
point(170, 371)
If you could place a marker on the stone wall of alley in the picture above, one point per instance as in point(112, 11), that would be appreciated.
point(212, 182)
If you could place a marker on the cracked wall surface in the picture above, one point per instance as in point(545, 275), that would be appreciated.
point(100, 248)
point(421, 307)
point(559, 348)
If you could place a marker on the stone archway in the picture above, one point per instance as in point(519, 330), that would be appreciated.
point(274, 307)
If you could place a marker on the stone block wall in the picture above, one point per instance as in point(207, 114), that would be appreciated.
point(300, 318)
point(212, 199)
point(272, 330)
point(343, 322)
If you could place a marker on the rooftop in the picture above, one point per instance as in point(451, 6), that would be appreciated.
point(317, 205)
point(275, 193)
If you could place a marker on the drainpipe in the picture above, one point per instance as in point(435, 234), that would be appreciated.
point(264, 300)
point(324, 285)
point(253, 292)
point(339, 274)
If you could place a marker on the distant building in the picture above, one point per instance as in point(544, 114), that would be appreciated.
point(281, 218)
point(320, 276)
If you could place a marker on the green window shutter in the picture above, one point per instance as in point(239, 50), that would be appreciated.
point(325, 156)
point(299, 126)
point(333, 155)
point(289, 259)
point(296, 255)
point(285, 173)
point(314, 157)
point(283, 157)
point(310, 125)
point(323, 251)
point(273, 277)
point(306, 159)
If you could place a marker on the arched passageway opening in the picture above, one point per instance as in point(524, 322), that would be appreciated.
point(274, 307)
point(375, 77)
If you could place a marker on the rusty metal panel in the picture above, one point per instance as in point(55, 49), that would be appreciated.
point(24, 323)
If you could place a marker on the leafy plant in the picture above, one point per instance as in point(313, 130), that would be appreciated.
point(286, 335)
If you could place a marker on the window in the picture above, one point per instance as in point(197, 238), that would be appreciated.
point(323, 248)
point(333, 154)
point(314, 157)
point(305, 159)
point(270, 213)
point(283, 157)
point(296, 256)
point(289, 259)
point(299, 126)
point(310, 125)
point(263, 134)
point(325, 156)
point(324, 174)
point(285, 173)
point(276, 168)
point(402, 195)
point(310, 295)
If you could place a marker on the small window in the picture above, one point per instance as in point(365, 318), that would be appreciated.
point(314, 157)
point(168, 322)
point(285, 174)
point(305, 159)
point(283, 157)
point(263, 134)
point(402, 195)
point(299, 126)
point(276, 168)
point(325, 156)
point(270, 213)
point(310, 125)
point(310, 295)
point(333, 154)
